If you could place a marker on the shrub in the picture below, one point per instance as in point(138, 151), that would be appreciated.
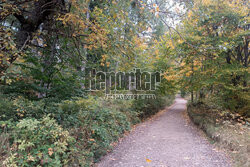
point(124, 106)
point(94, 124)
point(6, 108)
point(97, 123)
point(4, 146)
point(148, 107)
point(106, 127)
point(19, 108)
point(39, 143)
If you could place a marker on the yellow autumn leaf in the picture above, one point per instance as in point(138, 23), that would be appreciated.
point(190, 13)
point(50, 151)
point(157, 9)
point(206, 2)
point(31, 158)
point(20, 60)
point(8, 81)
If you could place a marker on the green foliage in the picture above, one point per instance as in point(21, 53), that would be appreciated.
point(97, 124)
point(183, 93)
point(148, 107)
point(16, 108)
point(4, 146)
point(6, 108)
point(40, 143)
point(106, 127)
point(81, 127)
point(212, 47)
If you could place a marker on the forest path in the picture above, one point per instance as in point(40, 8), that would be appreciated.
point(169, 139)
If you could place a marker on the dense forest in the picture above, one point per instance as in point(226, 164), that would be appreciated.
point(48, 118)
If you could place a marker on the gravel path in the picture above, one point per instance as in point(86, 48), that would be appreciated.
point(167, 140)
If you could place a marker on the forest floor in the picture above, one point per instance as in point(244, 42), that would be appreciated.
point(169, 139)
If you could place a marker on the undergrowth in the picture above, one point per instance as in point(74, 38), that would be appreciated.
point(229, 131)
point(74, 132)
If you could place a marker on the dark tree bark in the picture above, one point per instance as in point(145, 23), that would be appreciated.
point(246, 58)
point(30, 19)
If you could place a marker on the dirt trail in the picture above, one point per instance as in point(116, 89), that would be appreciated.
point(168, 140)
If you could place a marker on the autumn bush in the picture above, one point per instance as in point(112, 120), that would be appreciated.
point(56, 134)
point(39, 143)
point(98, 123)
